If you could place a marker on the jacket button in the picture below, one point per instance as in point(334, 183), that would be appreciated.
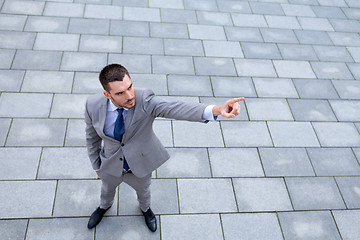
point(121, 159)
point(122, 144)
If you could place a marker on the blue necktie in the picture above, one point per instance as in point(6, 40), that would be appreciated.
point(119, 130)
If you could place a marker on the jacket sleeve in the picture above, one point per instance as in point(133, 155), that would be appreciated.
point(93, 141)
point(157, 107)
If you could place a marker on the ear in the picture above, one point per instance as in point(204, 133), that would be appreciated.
point(107, 94)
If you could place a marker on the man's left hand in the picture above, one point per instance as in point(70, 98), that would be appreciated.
point(229, 109)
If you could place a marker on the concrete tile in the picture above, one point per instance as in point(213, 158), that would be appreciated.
point(248, 20)
point(331, 70)
point(286, 162)
point(308, 225)
point(72, 228)
point(47, 24)
point(189, 85)
point(346, 221)
point(78, 198)
point(13, 229)
point(4, 127)
point(346, 110)
point(128, 227)
point(352, 13)
point(168, 30)
point(155, 82)
point(319, 24)
point(143, 45)
point(235, 162)
point(214, 66)
point(38, 81)
point(243, 34)
point(23, 7)
point(172, 65)
point(11, 80)
point(180, 98)
point(37, 132)
point(75, 136)
point(337, 3)
point(266, 8)
point(142, 14)
point(176, 4)
point(222, 49)
point(261, 50)
point(163, 130)
point(6, 58)
point(12, 22)
point(328, 12)
point(354, 68)
point(77, 61)
point(313, 37)
point(55, 164)
point(233, 87)
point(353, 3)
point(297, 52)
point(89, 26)
point(212, 138)
point(293, 69)
point(16, 40)
point(129, 28)
point(178, 16)
point(38, 205)
point(217, 193)
point(334, 161)
point(234, 6)
point(297, 10)
point(57, 42)
point(104, 12)
point(261, 194)
point(214, 18)
point(278, 35)
point(68, 106)
point(37, 60)
point(268, 109)
point(311, 88)
point(183, 47)
point(253, 134)
point(309, 2)
point(337, 134)
point(25, 105)
point(355, 53)
point(251, 226)
point(314, 193)
point(349, 188)
point(64, 9)
point(287, 22)
point(342, 25)
point(206, 32)
point(19, 163)
point(135, 3)
point(196, 162)
point(207, 5)
point(93, 43)
point(128, 204)
point(311, 110)
point(85, 82)
point(187, 226)
point(293, 134)
point(255, 68)
point(219, 101)
point(348, 89)
point(333, 54)
point(275, 87)
point(134, 63)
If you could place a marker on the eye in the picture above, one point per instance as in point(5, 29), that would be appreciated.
point(130, 87)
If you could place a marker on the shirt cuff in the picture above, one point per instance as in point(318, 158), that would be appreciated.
point(208, 114)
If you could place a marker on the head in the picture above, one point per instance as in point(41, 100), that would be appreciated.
point(117, 85)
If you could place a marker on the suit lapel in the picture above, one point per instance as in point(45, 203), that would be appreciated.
point(102, 117)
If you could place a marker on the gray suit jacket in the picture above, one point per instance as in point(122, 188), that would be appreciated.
point(140, 146)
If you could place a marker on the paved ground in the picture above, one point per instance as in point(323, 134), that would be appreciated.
point(286, 168)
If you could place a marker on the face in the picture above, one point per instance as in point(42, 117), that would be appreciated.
point(121, 93)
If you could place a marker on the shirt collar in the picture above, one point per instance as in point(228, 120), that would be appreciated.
point(111, 107)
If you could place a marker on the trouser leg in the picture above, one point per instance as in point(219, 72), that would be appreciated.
point(142, 188)
point(108, 190)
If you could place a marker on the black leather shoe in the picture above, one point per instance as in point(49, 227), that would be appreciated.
point(150, 220)
point(96, 217)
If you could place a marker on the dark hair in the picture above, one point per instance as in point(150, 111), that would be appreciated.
point(112, 73)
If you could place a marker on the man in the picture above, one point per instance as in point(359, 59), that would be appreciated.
point(121, 144)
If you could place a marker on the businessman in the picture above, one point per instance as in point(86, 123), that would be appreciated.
point(121, 144)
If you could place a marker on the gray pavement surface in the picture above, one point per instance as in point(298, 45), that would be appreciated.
point(286, 168)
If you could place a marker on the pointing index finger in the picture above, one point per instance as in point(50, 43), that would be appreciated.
point(234, 100)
